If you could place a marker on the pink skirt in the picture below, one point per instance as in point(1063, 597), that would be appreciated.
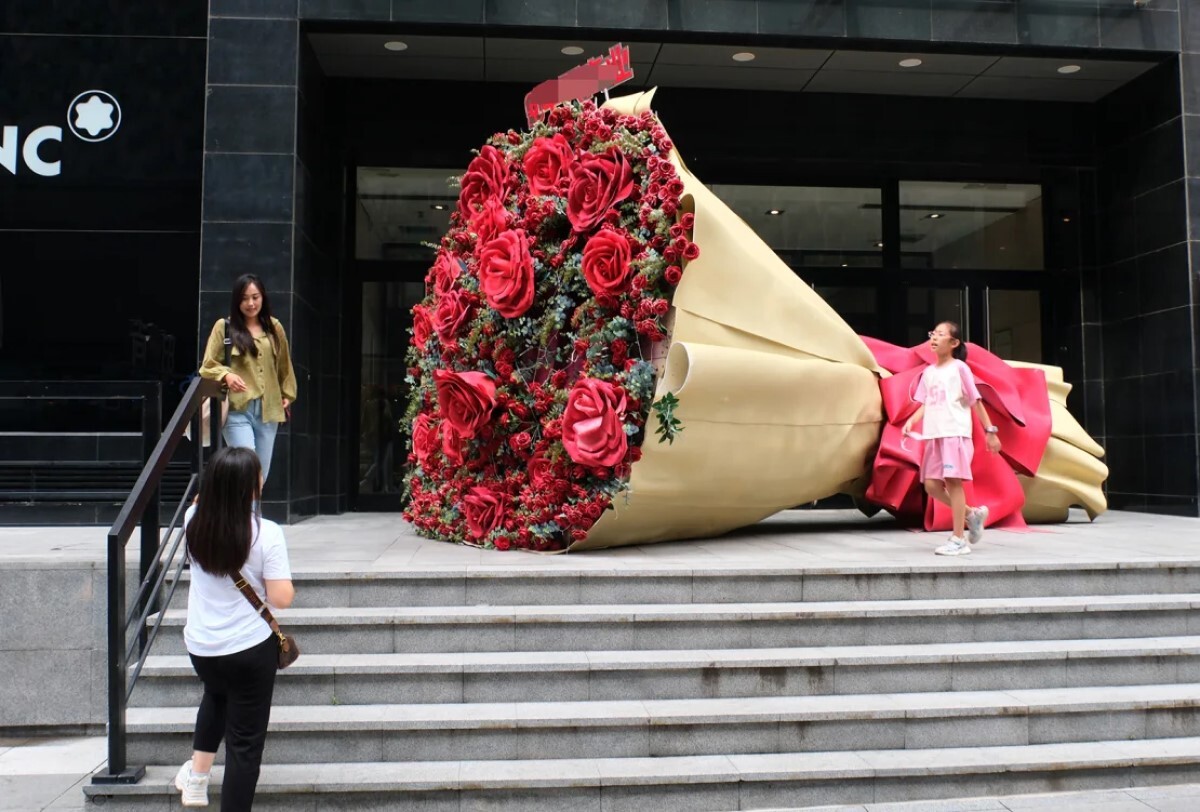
point(947, 458)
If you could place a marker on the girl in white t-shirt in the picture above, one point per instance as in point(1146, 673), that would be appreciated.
point(232, 649)
point(947, 394)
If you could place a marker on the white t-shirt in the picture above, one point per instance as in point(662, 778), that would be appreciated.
point(948, 393)
point(220, 620)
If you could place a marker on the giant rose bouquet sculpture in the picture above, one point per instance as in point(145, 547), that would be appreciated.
point(586, 275)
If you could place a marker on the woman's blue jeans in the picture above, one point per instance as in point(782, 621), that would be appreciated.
point(246, 429)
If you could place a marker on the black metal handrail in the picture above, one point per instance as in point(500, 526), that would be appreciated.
point(159, 551)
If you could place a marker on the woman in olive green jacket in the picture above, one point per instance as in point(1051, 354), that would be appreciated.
point(262, 385)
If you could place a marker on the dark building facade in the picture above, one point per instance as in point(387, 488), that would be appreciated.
point(1025, 167)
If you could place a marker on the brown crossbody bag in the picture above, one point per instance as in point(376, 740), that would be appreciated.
point(288, 650)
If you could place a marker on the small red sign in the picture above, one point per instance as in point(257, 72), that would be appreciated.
point(598, 74)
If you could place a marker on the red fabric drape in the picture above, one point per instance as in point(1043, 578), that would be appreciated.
point(1016, 401)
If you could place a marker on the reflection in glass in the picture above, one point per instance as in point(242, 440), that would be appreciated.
point(386, 318)
point(980, 226)
point(812, 226)
point(927, 307)
point(398, 208)
point(857, 305)
point(1015, 324)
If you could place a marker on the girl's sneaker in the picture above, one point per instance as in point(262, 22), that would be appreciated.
point(194, 786)
point(976, 519)
point(955, 546)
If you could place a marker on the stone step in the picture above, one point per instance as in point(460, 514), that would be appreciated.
point(351, 679)
point(571, 583)
point(746, 625)
point(695, 783)
point(634, 729)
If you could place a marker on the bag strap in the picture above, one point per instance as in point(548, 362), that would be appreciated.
point(259, 607)
point(228, 343)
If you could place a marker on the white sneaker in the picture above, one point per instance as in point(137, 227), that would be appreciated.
point(193, 786)
point(975, 522)
point(955, 546)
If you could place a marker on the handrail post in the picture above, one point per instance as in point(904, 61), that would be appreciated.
point(151, 432)
point(118, 771)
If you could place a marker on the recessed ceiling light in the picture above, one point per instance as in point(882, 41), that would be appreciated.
point(572, 50)
point(438, 207)
point(774, 212)
point(396, 45)
point(743, 56)
point(911, 63)
point(935, 216)
point(1066, 219)
point(1070, 69)
point(879, 245)
point(845, 264)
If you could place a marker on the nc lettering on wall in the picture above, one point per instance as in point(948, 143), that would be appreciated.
point(92, 116)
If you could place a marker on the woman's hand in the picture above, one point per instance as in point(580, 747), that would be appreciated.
point(235, 382)
point(993, 443)
point(286, 403)
point(907, 426)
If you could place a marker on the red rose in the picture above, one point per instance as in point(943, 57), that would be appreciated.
point(452, 314)
point(506, 273)
point(466, 400)
point(490, 220)
point(606, 262)
point(483, 509)
point(593, 423)
point(691, 251)
point(673, 274)
point(424, 437)
point(452, 444)
point(598, 182)
point(444, 272)
point(502, 543)
point(548, 165)
point(486, 176)
point(541, 472)
point(422, 326)
point(520, 441)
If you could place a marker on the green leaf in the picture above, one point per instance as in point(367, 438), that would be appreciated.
point(669, 426)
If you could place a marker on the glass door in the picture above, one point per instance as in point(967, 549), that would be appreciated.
point(379, 445)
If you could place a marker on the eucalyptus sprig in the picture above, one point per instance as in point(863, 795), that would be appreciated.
point(669, 426)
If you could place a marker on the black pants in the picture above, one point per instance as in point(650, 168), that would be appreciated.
point(237, 706)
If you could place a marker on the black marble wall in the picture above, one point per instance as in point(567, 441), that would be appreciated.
point(113, 236)
point(250, 184)
point(1076, 23)
point(1145, 308)
point(272, 188)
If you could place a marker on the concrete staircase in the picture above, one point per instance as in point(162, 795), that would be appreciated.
point(715, 690)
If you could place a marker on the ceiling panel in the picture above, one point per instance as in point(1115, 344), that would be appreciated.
point(884, 61)
point(674, 53)
point(997, 87)
point(381, 67)
point(372, 44)
point(1029, 67)
point(743, 79)
point(902, 84)
point(531, 61)
point(537, 71)
point(503, 48)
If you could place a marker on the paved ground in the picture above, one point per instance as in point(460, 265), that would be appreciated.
point(792, 539)
point(42, 774)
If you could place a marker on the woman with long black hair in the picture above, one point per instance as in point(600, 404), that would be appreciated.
point(232, 648)
point(262, 384)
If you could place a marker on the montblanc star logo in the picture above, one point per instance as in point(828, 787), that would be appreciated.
point(94, 115)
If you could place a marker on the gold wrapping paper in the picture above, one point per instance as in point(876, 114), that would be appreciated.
point(1071, 472)
point(779, 398)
